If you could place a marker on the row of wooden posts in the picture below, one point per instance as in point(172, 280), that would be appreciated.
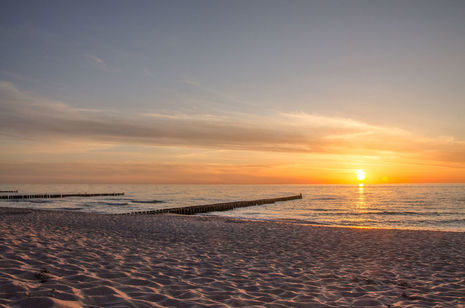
point(189, 210)
point(197, 209)
point(58, 195)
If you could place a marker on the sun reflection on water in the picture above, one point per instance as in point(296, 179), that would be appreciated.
point(361, 197)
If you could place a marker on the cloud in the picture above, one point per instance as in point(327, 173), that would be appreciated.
point(216, 96)
point(136, 173)
point(29, 117)
point(98, 61)
point(147, 73)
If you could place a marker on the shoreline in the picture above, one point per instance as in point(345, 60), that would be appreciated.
point(251, 219)
point(174, 260)
point(316, 224)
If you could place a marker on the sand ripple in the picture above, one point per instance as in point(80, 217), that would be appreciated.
point(63, 259)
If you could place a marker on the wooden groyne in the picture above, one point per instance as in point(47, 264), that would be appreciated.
point(191, 210)
point(58, 195)
point(8, 191)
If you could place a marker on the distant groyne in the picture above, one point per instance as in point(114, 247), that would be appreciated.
point(197, 209)
point(35, 196)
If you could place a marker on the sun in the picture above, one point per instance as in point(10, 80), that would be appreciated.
point(360, 175)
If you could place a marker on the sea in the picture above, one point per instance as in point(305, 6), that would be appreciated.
point(406, 206)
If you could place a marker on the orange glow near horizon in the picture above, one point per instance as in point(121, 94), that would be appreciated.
point(224, 167)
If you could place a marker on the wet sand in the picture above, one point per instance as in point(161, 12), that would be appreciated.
point(72, 259)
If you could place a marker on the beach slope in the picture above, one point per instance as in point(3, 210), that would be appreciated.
point(68, 259)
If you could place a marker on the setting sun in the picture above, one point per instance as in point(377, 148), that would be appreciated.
point(360, 175)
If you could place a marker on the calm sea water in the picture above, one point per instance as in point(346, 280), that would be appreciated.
point(432, 206)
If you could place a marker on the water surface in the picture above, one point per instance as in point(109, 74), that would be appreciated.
point(429, 206)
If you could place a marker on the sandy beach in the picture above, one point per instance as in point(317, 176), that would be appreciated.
point(68, 259)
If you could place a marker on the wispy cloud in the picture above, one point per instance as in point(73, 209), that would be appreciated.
point(40, 81)
point(217, 96)
point(23, 115)
point(147, 72)
point(136, 173)
point(98, 61)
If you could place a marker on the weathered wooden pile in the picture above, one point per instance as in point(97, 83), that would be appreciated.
point(191, 210)
point(58, 195)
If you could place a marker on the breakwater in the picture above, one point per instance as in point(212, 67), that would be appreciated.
point(37, 196)
point(197, 209)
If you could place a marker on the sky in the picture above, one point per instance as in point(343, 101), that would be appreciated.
point(232, 92)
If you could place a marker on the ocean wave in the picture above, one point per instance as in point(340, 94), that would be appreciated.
point(452, 221)
point(67, 208)
point(148, 201)
point(105, 203)
point(387, 213)
point(416, 201)
point(398, 213)
point(417, 213)
point(305, 222)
